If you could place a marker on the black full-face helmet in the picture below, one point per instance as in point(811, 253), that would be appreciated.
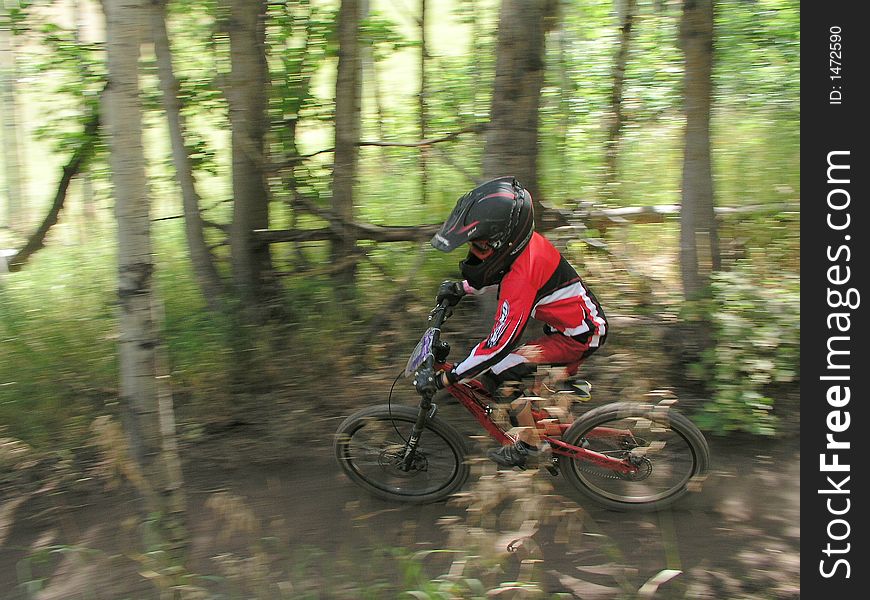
point(497, 220)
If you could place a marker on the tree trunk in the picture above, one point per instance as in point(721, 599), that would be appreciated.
point(347, 136)
point(512, 136)
point(13, 176)
point(699, 242)
point(627, 14)
point(246, 94)
point(511, 146)
point(298, 75)
point(203, 263)
point(150, 433)
point(423, 112)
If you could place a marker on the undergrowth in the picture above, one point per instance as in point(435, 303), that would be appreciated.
point(58, 327)
point(754, 359)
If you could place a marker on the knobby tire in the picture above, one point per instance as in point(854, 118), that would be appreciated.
point(678, 456)
point(369, 444)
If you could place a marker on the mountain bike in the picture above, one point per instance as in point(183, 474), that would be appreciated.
point(622, 455)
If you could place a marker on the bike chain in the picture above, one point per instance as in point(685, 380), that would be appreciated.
point(600, 474)
point(606, 474)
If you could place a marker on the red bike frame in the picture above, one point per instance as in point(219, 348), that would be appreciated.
point(475, 398)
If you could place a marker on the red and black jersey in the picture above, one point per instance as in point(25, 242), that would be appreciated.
point(543, 285)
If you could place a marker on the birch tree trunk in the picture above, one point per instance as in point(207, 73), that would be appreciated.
point(348, 92)
point(204, 269)
point(147, 412)
point(13, 176)
point(699, 241)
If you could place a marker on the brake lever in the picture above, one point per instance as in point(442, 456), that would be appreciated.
point(448, 311)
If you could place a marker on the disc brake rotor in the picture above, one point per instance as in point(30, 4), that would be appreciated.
point(391, 459)
point(644, 470)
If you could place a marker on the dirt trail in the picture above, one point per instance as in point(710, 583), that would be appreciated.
point(739, 537)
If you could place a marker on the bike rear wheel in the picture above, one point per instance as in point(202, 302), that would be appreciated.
point(670, 453)
point(370, 446)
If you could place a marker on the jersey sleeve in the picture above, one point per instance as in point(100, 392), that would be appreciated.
point(515, 302)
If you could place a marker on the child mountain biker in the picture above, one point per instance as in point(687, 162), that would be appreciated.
point(532, 279)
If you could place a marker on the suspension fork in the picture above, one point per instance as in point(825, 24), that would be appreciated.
point(427, 407)
point(426, 412)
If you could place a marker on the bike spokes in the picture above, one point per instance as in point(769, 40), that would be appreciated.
point(670, 467)
point(377, 452)
point(662, 460)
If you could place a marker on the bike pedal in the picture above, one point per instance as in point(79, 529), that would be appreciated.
point(553, 470)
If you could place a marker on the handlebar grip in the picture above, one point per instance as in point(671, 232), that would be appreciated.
point(439, 314)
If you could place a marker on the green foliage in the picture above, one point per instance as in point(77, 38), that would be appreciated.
point(57, 356)
point(756, 351)
point(758, 55)
point(58, 328)
point(72, 72)
point(756, 121)
point(14, 17)
point(198, 342)
point(56, 337)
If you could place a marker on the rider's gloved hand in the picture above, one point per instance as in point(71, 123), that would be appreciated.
point(427, 381)
point(452, 291)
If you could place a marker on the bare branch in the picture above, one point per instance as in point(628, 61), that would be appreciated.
point(379, 233)
point(79, 159)
point(295, 160)
point(213, 224)
point(364, 231)
point(476, 128)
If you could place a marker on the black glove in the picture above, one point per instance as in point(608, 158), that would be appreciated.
point(452, 291)
point(427, 381)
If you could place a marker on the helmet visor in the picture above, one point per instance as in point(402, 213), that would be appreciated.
point(455, 230)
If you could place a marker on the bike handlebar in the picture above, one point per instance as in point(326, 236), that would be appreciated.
point(439, 314)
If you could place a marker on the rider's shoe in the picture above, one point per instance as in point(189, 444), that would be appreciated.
point(519, 454)
point(580, 389)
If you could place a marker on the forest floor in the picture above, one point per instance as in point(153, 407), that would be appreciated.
point(279, 520)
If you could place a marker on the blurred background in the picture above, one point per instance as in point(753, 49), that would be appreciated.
point(214, 225)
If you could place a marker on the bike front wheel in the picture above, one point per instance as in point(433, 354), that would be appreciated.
point(669, 452)
point(371, 445)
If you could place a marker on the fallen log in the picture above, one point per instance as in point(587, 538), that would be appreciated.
point(601, 220)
